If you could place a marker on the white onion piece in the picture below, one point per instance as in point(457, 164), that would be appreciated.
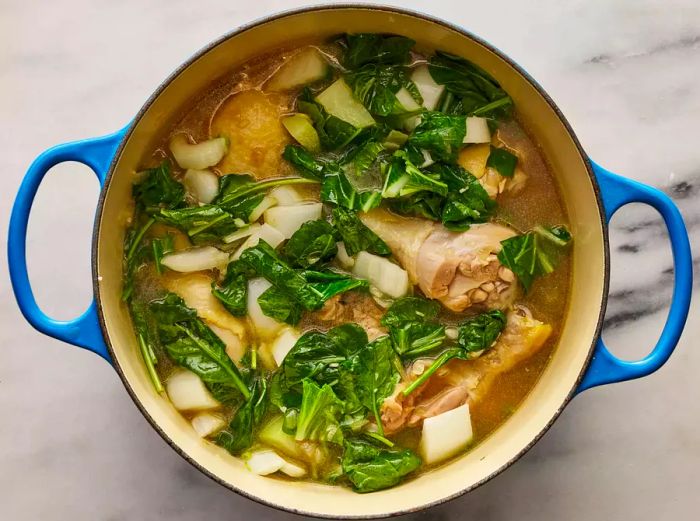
point(267, 233)
point(267, 202)
point(188, 393)
point(411, 122)
point(264, 462)
point(283, 344)
point(199, 156)
point(205, 424)
point(445, 434)
point(429, 90)
point(203, 185)
point(387, 277)
point(195, 259)
point(288, 219)
point(345, 260)
point(286, 195)
point(477, 131)
point(241, 233)
point(292, 470)
point(266, 327)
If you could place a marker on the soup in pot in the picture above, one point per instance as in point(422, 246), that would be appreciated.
point(348, 261)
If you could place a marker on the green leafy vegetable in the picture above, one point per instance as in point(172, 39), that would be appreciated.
point(376, 87)
point(356, 236)
point(240, 433)
point(366, 48)
point(370, 468)
point(479, 94)
point(420, 204)
point(158, 188)
point(191, 344)
point(161, 246)
point(233, 291)
point(440, 134)
point(139, 314)
point(207, 223)
point(375, 371)
point(276, 303)
point(265, 262)
point(330, 283)
point(136, 254)
point(534, 253)
point(480, 332)
point(312, 244)
point(467, 202)
point(333, 132)
point(336, 189)
point(415, 338)
point(318, 418)
point(239, 194)
point(404, 178)
point(410, 309)
point(362, 158)
point(503, 161)
point(304, 162)
point(316, 355)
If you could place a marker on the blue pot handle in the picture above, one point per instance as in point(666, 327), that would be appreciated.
point(83, 331)
point(616, 192)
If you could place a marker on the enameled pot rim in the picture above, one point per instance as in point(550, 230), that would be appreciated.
point(340, 7)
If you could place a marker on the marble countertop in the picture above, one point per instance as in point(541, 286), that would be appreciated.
point(72, 444)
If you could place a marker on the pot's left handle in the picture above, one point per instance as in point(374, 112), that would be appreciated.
point(84, 331)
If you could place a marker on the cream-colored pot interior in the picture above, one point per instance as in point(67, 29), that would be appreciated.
point(558, 380)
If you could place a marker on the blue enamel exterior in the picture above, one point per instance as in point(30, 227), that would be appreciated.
point(83, 331)
point(616, 191)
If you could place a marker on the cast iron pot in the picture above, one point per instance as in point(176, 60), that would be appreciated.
point(591, 194)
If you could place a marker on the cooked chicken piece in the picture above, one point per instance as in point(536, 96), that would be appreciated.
point(461, 381)
point(357, 307)
point(251, 122)
point(473, 159)
point(459, 269)
point(195, 290)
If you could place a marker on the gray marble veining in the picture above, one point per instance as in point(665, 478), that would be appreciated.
point(625, 74)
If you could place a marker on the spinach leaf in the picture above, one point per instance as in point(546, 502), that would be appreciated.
point(444, 357)
point(240, 433)
point(265, 262)
point(233, 291)
point(439, 134)
point(376, 87)
point(136, 254)
point(503, 161)
point(140, 317)
point(415, 338)
point(191, 344)
point(329, 283)
point(304, 162)
point(534, 253)
point(318, 418)
point(410, 309)
point(366, 48)
point(207, 223)
point(404, 178)
point(479, 93)
point(278, 304)
point(158, 188)
point(420, 204)
point(376, 375)
point(361, 159)
point(467, 202)
point(370, 468)
point(239, 194)
point(482, 331)
point(336, 189)
point(316, 355)
point(312, 244)
point(356, 236)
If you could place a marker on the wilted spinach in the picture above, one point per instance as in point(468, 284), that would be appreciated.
point(312, 244)
point(440, 134)
point(207, 223)
point(503, 161)
point(403, 178)
point(480, 332)
point(336, 189)
point(318, 418)
point(240, 433)
point(467, 202)
point(356, 236)
point(159, 188)
point(370, 468)
point(363, 48)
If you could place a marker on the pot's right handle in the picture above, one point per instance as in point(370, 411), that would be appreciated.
point(616, 192)
point(84, 331)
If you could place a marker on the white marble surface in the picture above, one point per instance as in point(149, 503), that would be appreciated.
point(72, 444)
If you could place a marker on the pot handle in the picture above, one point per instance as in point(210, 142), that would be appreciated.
point(616, 192)
point(84, 331)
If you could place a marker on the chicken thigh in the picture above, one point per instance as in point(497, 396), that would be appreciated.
point(459, 269)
